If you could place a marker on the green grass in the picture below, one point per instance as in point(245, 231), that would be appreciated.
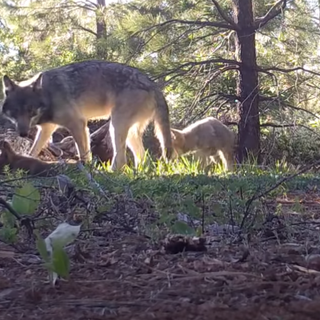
point(182, 187)
point(209, 195)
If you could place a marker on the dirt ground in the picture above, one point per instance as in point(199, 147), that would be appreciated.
point(117, 274)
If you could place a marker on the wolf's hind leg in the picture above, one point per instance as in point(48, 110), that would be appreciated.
point(43, 135)
point(229, 154)
point(227, 160)
point(135, 144)
point(81, 135)
point(118, 135)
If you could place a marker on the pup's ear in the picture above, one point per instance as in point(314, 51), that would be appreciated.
point(37, 85)
point(8, 85)
point(5, 146)
point(175, 133)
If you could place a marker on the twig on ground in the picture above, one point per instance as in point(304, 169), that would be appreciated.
point(257, 195)
point(90, 178)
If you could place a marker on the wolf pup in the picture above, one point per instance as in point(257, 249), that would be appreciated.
point(16, 161)
point(70, 95)
point(206, 139)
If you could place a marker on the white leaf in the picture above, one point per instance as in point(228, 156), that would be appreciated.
point(65, 233)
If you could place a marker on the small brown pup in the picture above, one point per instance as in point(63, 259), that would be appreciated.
point(31, 165)
point(206, 139)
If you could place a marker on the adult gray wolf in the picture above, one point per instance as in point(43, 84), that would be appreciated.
point(206, 139)
point(72, 94)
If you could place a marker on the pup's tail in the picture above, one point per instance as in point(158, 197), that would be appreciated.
point(162, 125)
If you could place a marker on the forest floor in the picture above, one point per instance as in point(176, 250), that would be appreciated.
point(121, 269)
point(117, 274)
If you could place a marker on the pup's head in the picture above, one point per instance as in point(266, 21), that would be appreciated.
point(23, 102)
point(7, 153)
point(178, 142)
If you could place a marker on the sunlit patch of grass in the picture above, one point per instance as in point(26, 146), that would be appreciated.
point(187, 166)
point(206, 194)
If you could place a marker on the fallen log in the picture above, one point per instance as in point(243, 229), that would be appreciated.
point(101, 145)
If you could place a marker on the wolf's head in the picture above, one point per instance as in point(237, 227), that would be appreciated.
point(23, 102)
point(178, 142)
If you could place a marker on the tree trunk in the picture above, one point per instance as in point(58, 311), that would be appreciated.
point(101, 30)
point(247, 83)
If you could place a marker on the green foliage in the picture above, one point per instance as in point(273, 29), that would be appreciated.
point(180, 189)
point(41, 247)
point(59, 261)
point(167, 40)
point(25, 201)
point(294, 146)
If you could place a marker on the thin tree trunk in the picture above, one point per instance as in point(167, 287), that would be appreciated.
point(247, 82)
point(101, 30)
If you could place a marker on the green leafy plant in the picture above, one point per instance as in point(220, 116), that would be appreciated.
point(58, 262)
point(52, 251)
point(25, 201)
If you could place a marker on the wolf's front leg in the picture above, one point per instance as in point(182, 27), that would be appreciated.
point(43, 135)
point(81, 135)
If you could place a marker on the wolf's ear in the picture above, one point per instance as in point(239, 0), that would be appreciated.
point(37, 85)
point(8, 85)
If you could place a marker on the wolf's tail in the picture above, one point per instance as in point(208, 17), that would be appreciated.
point(162, 125)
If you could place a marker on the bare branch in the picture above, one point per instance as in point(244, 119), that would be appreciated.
point(188, 22)
point(224, 16)
point(274, 125)
point(232, 64)
point(230, 97)
point(265, 70)
point(275, 10)
point(80, 27)
point(287, 105)
point(291, 125)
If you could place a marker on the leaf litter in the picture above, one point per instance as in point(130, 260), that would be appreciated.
point(119, 274)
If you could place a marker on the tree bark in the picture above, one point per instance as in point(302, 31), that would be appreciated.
point(101, 29)
point(247, 82)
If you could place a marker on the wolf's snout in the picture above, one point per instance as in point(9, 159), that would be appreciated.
point(23, 134)
point(23, 126)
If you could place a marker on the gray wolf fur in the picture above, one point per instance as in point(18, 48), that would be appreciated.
point(206, 139)
point(70, 95)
